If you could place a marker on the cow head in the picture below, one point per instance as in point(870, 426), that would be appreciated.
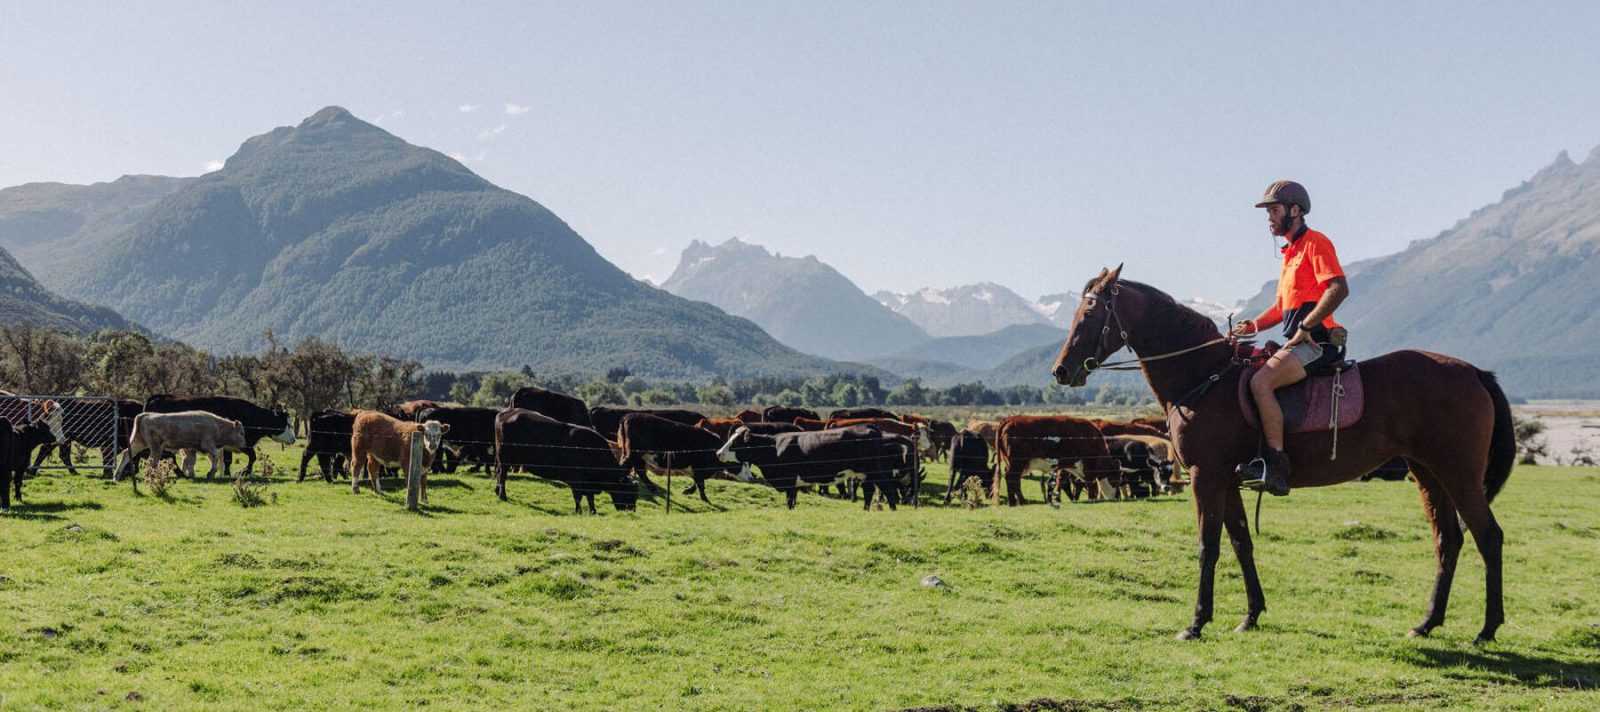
point(433, 435)
point(625, 494)
point(54, 417)
point(924, 441)
point(287, 436)
point(739, 437)
point(234, 438)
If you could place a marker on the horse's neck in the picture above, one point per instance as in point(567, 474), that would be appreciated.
point(1171, 378)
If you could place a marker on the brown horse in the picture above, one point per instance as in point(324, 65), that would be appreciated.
point(1448, 419)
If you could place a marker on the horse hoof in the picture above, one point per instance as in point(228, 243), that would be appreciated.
point(1246, 625)
point(1483, 639)
point(1189, 634)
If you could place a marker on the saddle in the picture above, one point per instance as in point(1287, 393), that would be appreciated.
point(1327, 399)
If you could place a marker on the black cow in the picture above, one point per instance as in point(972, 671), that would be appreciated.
point(607, 420)
point(87, 422)
point(879, 462)
point(551, 404)
point(1394, 470)
point(849, 413)
point(328, 440)
point(649, 442)
point(1145, 462)
point(470, 439)
point(573, 454)
point(258, 422)
point(969, 458)
point(16, 451)
point(786, 414)
point(943, 435)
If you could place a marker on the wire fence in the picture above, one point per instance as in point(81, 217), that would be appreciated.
point(94, 422)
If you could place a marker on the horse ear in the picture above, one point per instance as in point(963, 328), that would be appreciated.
point(1115, 275)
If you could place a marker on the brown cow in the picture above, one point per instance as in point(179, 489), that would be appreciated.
point(809, 425)
point(410, 409)
point(378, 440)
point(988, 430)
point(749, 415)
point(1050, 443)
point(1111, 428)
point(188, 430)
point(721, 427)
point(916, 432)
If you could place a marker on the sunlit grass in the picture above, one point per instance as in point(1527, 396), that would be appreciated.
point(320, 599)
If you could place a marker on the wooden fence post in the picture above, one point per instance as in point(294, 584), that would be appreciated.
point(414, 473)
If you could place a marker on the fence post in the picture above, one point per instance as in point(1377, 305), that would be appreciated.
point(669, 482)
point(414, 473)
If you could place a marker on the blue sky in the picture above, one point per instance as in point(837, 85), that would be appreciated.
point(908, 144)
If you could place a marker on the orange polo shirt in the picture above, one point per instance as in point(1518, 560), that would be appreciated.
point(1309, 263)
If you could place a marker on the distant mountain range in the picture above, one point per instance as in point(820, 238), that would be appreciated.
point(338, 229)
point(48, 226)
point(965, 311)
point(1514, 287)
point(24, 300)
point(801, 301)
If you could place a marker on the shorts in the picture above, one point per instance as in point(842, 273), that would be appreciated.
point(1306, 352)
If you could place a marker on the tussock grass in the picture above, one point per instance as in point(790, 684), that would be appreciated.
point(329, 600)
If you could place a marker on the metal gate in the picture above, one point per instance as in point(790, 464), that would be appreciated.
point(88, 421)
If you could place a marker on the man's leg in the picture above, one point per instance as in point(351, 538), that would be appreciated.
point(1287, 366)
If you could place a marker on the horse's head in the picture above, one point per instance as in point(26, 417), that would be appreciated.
point(1097, 330)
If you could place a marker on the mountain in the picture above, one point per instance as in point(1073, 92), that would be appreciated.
point(24, 300)
point(970, 310)
point(980, 352)
point(48, 225)
point(338, 229)
point(1513, 287)
point(801, 301)
point(1058, 308)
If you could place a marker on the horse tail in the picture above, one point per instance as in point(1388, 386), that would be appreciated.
point(1503, 443)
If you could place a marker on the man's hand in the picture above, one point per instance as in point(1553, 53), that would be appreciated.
point(1300, 336)
point(1246, 328)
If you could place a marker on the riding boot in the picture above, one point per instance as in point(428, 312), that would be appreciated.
point(1270, 472)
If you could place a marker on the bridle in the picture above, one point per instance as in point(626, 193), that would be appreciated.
point(1093, 363)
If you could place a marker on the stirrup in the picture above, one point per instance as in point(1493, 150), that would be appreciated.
point(1253, 474)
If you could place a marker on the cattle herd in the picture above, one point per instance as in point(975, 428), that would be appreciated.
point(854, 452)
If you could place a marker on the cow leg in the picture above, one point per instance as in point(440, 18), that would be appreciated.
point(789, 495)
point(700, 484)
point(500, 480)
point(187, 466)
point(868, 492)
point(577, 502)
point(358, 467)
point(892, 494)
point(590, 496)
point(375, 470)
point(305, 457)
point(249, 462)
point(44, 453)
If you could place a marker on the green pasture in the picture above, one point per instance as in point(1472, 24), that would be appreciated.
point(320, 599)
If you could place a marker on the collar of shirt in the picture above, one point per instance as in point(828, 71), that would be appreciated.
point(1294, 239)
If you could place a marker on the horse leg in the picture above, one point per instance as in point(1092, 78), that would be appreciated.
point(1447, 540)
point(1473, 507)
point(1244, 550)
point(1210, 504)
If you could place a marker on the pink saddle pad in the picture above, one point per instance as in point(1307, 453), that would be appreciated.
point(1309, 405)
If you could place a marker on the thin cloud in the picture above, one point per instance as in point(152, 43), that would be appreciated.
point(492, 132)
point(468, 108)
point(517, 109)
point(212, 167)
point(390, 116)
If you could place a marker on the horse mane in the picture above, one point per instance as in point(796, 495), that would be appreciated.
point(1172, 320)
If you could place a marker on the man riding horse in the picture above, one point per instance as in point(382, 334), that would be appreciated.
point(1310, 287)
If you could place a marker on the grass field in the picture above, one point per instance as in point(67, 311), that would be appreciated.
point(325, 600)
